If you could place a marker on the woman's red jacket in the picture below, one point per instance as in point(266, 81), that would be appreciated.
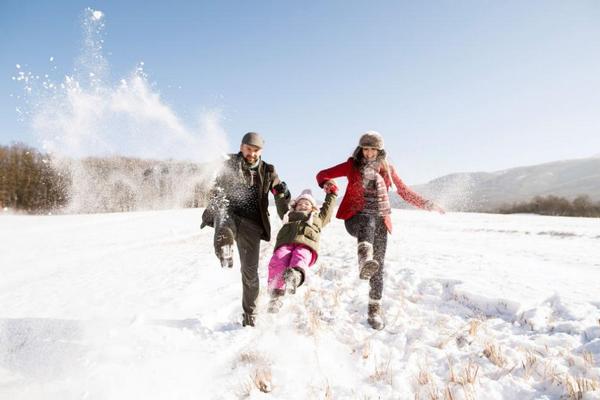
point(354, 199)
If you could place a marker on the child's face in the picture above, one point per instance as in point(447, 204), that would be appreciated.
point(303, 205)
point(370, 153)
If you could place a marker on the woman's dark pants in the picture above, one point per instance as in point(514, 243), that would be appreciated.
point(372, 229)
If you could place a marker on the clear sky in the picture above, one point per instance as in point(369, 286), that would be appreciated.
point(452, 85)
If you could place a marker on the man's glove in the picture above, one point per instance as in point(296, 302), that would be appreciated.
point(208, 218)
point(281, 190)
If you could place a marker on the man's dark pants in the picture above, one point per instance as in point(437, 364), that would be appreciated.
point(247, 235)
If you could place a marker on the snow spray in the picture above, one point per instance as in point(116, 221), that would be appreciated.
point(454, 192)
point(85, 115)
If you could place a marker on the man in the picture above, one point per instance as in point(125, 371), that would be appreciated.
point(238, 210)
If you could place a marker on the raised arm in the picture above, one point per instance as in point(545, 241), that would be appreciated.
point(334, 172)
point(408, 194)
point(280, 193)
point(326, 211)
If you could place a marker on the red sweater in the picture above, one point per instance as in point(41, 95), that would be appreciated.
point(354, 199)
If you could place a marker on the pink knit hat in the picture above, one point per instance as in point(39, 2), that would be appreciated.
point(305, 195)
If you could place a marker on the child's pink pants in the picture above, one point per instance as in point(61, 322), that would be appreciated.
point(287, 256)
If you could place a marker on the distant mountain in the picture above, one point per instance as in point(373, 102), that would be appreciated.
point(485, 190)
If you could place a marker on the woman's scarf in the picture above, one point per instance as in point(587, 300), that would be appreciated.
point(375, 189)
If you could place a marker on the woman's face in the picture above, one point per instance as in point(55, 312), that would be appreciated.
point(370, 153)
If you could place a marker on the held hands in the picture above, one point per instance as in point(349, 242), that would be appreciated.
point(281, 190)
point(330, 187)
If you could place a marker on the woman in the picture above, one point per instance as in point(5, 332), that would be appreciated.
point(365, 209)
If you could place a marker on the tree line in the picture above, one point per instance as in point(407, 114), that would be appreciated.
point(34, 182)
point(28, 182)
point(580, 206)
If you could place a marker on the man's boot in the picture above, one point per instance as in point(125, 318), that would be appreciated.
point(248, 319)
point(366, 265)
point(224, 247)
point(375, 318)
point(276, 301)
point(293, 279)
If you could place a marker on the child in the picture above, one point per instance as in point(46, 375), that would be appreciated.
point(297, 243)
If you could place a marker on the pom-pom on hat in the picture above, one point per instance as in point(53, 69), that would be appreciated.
point(371, 139)
point(305, 195)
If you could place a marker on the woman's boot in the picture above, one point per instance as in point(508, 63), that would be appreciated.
point(375, 318)
point(366, 265)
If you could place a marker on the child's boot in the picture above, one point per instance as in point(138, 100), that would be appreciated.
point(293, 278)
point(276, 300)
point(366, 265)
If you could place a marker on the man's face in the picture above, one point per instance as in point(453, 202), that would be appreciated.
point(251, 153)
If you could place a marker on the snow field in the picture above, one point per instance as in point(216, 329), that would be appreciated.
point(135, 306)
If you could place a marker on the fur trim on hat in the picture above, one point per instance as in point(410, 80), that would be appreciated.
point(371, 139)
point(357, 154)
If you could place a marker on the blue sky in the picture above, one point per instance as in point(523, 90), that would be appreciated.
point(452, 85)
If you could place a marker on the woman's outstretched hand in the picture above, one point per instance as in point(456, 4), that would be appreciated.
point(435, 207)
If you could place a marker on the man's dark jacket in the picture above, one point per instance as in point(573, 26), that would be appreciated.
point(229, 179)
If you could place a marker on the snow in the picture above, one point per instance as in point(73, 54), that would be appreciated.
point(96, 14)
point(85, 113)
point(135, 305)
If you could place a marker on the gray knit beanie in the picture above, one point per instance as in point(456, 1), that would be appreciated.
point(253, 139)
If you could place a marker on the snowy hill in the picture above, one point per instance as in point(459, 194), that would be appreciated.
point(480, 190)
point(135, 306)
